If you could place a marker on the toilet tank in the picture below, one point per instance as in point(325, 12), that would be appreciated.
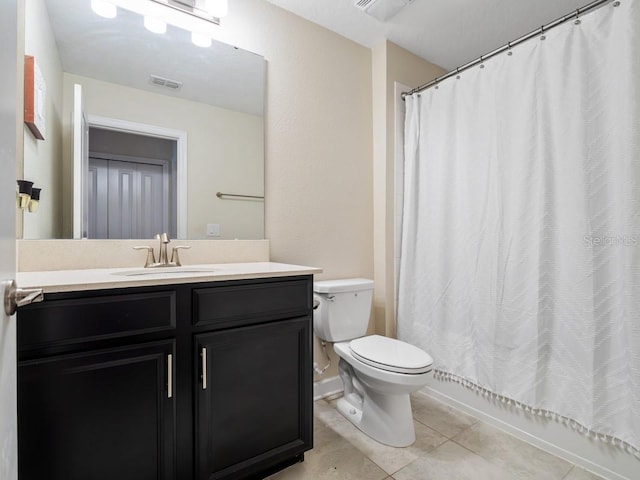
point(344, 308)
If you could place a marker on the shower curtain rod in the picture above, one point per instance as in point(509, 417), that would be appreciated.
point(571, 16)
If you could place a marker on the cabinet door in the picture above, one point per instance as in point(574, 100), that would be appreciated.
point(254, 399)
point(98, 415)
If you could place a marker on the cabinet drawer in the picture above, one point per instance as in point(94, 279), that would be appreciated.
point(73, 320)
point(241, 304)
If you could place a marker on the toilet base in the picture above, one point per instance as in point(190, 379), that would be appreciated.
point(386, 418)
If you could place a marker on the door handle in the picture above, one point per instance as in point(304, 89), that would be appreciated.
point(15, 297)
point(203, 355)
point(169, 375)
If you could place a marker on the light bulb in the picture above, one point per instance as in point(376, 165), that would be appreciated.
point(201, 40)
point(154, 25)
point(104, 8)
point(217, 8)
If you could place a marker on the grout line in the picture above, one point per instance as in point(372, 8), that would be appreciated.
point(494, 463)
point(422, 454)
point(507, 470)
point(469, 450)
point(403, 467)
point(480, 454)
point(542, 443)
point(441, 433)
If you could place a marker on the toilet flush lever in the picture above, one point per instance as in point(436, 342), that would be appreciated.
point(331, 298)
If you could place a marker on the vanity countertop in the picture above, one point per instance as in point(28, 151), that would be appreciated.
point(105, 278)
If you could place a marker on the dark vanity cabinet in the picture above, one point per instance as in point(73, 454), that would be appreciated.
point(99, 415)
point(192, 381)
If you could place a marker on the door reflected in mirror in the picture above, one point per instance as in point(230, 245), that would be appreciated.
point(131, 185)
point(170, 125)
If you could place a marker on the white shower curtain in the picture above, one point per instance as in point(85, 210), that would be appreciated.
point(520, 254)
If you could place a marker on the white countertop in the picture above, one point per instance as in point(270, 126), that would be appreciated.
point(104, 278)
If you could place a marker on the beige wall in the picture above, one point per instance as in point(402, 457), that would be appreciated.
point(319, 208)
point(20, 111)
point(391, 64)
point(318, 138)
point(225, 152)
point(43, 158)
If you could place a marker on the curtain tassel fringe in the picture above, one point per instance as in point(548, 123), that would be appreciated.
point(569, 422)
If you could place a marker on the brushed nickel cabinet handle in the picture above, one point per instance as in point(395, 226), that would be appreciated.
point(169, 375)
point(203, 355)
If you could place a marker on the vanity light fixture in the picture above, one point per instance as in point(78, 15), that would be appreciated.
point(201, 40)
point(200, 17)
point(217, 8)
point(23, 196)
point(155, 25)
point(104, 8)
point(35, 200)
point(27, 196)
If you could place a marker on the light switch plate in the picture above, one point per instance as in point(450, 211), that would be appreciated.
point(213, 229)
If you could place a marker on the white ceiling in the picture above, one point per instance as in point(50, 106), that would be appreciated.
point(448, 33)
point(122, 51)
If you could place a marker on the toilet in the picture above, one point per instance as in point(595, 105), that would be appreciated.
point(378, 372)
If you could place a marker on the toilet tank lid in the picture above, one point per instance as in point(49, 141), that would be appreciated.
point(344, 285)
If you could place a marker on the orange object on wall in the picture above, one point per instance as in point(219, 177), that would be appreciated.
point(35, 92)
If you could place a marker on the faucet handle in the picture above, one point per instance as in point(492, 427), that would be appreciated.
point(175, 258)
point(151, 258)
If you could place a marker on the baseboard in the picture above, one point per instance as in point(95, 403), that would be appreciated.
point(327, 387)
point(562, 451)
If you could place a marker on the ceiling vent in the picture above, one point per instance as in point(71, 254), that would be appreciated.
point(383, 10)
point(165, 82)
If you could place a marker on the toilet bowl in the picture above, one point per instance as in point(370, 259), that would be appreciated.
point(380, 406)
point(379, 373)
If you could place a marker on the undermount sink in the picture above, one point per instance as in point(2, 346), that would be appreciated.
point(164, 271)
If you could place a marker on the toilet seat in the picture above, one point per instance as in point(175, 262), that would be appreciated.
point(391, 355)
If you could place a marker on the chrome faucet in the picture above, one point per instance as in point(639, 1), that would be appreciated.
point(163, 260)
point(163, 257)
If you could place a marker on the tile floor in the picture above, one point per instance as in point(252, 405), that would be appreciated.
point(450, 445)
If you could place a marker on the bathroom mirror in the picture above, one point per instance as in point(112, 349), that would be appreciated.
point(174, 131)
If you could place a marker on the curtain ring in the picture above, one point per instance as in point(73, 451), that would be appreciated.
point(577, 21)
point(542, 36)
point(436, 83)
point(458, 73)
point(481, 60)
point(509, 52)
